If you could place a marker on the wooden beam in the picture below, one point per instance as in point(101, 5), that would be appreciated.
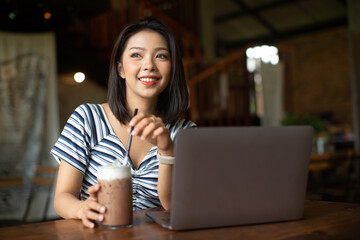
point(263, 7)
point(270, 38)
point(256, 16)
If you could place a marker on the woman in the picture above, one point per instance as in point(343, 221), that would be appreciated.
point(146, 73)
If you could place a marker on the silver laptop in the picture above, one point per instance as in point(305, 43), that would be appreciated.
point(230, 176)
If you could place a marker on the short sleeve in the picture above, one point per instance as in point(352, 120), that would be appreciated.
point(73, 144)
point(179, 125)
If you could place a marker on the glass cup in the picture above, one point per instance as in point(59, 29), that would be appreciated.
point(116, 195)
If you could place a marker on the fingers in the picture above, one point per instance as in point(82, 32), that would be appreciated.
point(92, 209)
point(145, 125)
point(95, 216)
point(159, 131)
point(153, 130)
point(87, 223)
point(89, 216)
point(93, 190)
point(149, 129)
point(95, 206)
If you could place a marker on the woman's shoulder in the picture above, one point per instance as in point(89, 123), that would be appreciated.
point(181, 123)
point(85, 106)
point(88, 109)
point(87, 112)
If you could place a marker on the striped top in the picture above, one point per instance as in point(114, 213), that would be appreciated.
point(88, 141)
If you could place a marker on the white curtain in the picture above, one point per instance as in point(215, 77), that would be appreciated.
point(272, 82)
point(29, 122)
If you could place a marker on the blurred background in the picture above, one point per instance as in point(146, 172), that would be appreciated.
point(247, 63)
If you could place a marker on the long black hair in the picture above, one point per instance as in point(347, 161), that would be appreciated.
point(173, 101)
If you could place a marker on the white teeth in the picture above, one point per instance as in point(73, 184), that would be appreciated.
point(148, 79)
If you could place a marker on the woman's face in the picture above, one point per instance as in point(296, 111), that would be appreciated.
point(146, 65)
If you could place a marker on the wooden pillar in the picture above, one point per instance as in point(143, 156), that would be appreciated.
point(354, 51)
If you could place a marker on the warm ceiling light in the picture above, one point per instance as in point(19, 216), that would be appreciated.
point(47, 15)
point(79, 77)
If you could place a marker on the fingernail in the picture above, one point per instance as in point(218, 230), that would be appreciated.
point(142, 138)
point(92, 225)
point(101, 217)
point(133, 132)
point(102, 209)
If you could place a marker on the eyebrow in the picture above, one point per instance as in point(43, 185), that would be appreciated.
point(157, 49)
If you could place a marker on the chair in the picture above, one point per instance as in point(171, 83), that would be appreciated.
point(10, 181)
point(44, 177)
point(338, 176)
point(353, 180)
point(319, 164)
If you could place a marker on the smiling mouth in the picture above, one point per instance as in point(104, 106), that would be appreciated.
point(149, 81)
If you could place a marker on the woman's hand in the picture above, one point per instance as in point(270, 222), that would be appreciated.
point(66, 199)
point(92, 210)
point(152, 129)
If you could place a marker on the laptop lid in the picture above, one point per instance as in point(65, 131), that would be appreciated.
point(228, 176)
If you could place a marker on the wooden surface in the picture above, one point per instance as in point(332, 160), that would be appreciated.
point(319, 162)
point(322, 220)
point(323, 161)
point(10, 181)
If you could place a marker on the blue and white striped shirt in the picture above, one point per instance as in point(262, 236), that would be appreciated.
point(88, 141)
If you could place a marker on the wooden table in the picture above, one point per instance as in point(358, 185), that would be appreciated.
point(322, 220)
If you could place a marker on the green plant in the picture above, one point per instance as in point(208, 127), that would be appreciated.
point(307, 118)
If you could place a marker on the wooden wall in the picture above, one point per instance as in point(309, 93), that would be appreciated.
point(321, 74)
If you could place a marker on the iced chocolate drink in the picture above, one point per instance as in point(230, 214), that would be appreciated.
point(116, 195)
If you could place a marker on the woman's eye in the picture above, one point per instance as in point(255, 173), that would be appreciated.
point(135, 55)
point(162, 56)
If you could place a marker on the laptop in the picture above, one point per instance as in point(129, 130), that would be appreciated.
point(229, 176)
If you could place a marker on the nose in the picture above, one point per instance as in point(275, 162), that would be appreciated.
point(149, 64)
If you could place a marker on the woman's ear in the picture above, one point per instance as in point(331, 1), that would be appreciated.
point(120, 70)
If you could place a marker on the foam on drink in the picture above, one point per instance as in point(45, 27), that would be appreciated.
point(111, 172)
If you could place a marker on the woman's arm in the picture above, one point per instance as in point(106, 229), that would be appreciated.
point(165, 177)
point(66, 201)
point(152, 129)
point(164, 185)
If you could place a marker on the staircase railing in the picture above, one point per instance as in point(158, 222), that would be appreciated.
point(220, 95)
